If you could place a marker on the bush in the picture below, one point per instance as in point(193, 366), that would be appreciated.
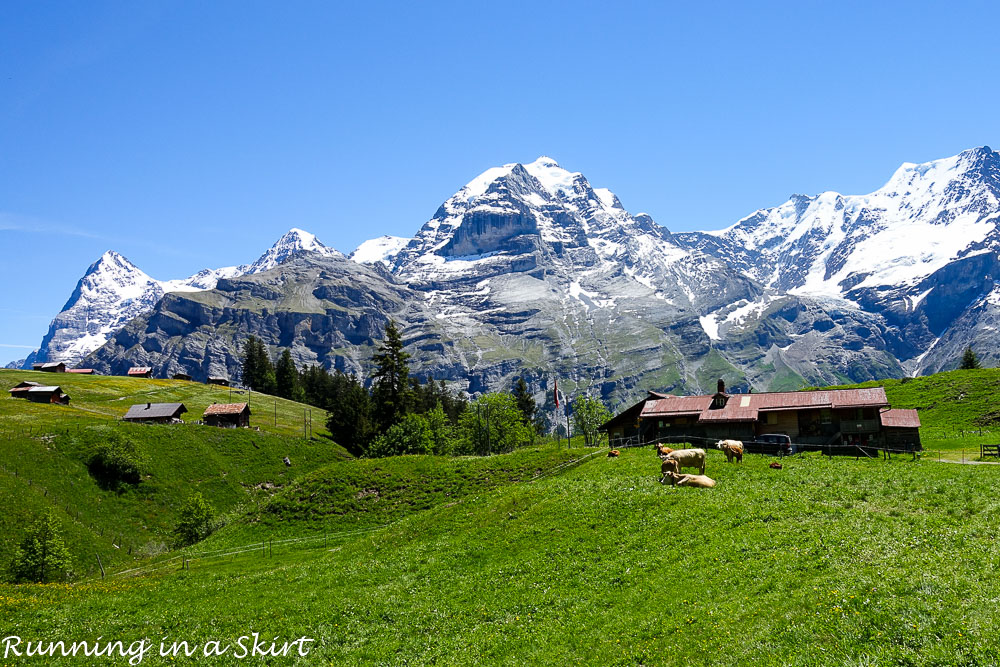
point(493, 424)
point(196, 522)
point(42, 556)
point(117, 461)
point(412, 435)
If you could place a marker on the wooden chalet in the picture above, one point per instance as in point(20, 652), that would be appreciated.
point(821, 418)
point(156, 413)
point(228, 415)
point(221, 381)
point(140, 372)
point(39, 393)
point(181, 376)
point(82, 371)
point(49, 367)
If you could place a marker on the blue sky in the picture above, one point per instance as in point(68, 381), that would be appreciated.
point(188, 135)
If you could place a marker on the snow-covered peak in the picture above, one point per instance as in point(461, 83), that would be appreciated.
point(293, 242)
point(114, 273)
point(383, 249)
point(553, 178)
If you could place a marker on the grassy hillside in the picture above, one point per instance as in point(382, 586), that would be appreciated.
point(826, 562)
point(44, 450)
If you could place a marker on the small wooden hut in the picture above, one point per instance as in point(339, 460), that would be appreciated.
point(227, 415)
point(140, 372)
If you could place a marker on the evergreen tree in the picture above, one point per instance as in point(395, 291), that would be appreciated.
point(257, 369)
point(525, 401)
point(42, 556)
point(390, 383)
point(286, 377)
point(969, 360)
point(349, 413)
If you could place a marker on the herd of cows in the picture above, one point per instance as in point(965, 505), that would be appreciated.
point(673, 460)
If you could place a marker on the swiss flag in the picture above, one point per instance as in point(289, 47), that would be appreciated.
point(557, 393)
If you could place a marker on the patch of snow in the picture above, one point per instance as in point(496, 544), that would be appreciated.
point(382, 249)
point(710, 325)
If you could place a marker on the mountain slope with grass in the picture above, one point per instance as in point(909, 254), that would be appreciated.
point(825, 562)
point(46, 451)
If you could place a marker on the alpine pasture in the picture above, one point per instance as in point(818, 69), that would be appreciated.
point(558, 556)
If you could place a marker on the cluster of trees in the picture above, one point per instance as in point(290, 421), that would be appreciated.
point(396, 413)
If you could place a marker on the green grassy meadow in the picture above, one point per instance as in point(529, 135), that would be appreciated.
point(823, 562)
point(44, 451)
point(548, 555)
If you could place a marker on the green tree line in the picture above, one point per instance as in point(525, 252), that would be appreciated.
point(393, 412)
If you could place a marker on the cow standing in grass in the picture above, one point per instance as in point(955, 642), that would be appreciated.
point(733, 449)
point(688, 458)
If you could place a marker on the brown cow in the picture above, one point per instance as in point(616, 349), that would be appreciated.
point(733, 449)
point(699, 481)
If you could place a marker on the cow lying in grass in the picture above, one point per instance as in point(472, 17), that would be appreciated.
point(613, 453)
point(733, 449)
point(700, 481)
point(688, 458)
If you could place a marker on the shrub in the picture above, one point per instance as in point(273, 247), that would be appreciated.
point(196, 520)
point(117, 460)
point(412, 435)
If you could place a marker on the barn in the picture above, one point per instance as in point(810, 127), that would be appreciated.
point(50, 367)
point(39, 393)
point(819, 418)
point(182, 376)
point(221, 381)
point(156, 413)
point(228, 415)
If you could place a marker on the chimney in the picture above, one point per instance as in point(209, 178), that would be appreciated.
point(722, 386)
point(149, 405)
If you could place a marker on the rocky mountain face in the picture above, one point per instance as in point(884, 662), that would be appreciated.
point(529, 270)
point(115, 291)
point(920, 254)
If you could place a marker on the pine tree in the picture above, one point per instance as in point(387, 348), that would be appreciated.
point(969, 360)
point(349, 413)
point(390, 383)
point(286, 376)
point(525, 401)
point(43, 554)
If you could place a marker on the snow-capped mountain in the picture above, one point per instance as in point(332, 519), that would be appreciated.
point(878, 252)
point(529, 270)
point(383, 249)
point(114, 291)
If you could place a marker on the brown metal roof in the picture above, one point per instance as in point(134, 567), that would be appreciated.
point(676, 405)
point(226, 409)
point(899, 418)
point(82, 371)
point(139, 370)
point(746, 407)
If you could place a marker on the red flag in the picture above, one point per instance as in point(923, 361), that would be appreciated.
point(557, 392)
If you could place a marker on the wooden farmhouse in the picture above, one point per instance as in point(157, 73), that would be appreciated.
point(228, 415)
point(221, 381)
point(156, 413)
point(140, 372)
point(81, 371)
point(820, 418)
point(181, 376)
point(39, 393)
point(49, 367)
